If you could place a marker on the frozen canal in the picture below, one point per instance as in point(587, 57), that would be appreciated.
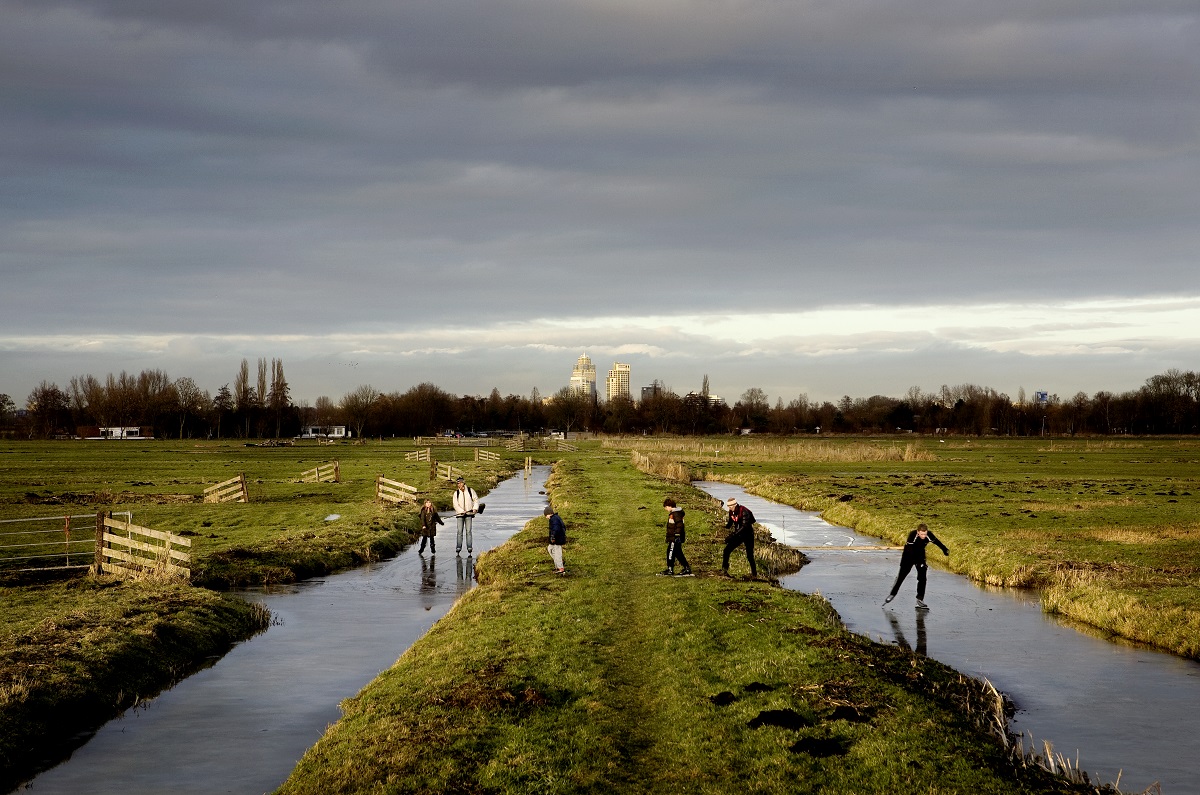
point(241, 725)
point(1123, 710)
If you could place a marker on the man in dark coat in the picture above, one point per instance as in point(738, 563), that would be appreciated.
point(914, 555)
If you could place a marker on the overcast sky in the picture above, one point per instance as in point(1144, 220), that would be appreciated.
point(808, 196)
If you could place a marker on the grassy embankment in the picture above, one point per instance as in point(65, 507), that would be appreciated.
point(615, 680)
point(1107, 529)
point(76, 653)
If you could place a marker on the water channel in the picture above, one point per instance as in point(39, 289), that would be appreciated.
point(242, 724)
point(1125, 711)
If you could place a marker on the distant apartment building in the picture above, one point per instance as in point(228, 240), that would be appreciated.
point(583, 377)
point(618, 381)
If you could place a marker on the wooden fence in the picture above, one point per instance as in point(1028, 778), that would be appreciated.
point(232, 490)
point(419, 455)
point(329, 472)
point(394, 491)
point(566, 446)
point(447, 472)
point(454, 441)
point(139, 551)
point(486, 455)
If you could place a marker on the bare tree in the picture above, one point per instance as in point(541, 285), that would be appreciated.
point(190, 401)
point(357, 406)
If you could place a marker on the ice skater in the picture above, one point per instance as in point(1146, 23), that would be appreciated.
point(466, 505)
point(914, 555)
point(429, 522)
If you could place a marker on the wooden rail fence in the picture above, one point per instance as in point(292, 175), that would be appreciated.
point(232, 490)
point(388, 490)
point(447, 472)
point(140, 551)
point(419, 455)
point(486, 455)
point(566, 446)
point(329, 472)
point(452, 441)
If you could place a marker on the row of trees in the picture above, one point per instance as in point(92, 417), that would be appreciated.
point(1166, 404)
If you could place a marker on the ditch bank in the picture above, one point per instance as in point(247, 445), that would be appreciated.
point(614, 679)
point(78, 652)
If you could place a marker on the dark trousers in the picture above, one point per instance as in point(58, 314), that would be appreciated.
point(675, 553)
point(423, 540)
point(736, 540)
point(904, 569)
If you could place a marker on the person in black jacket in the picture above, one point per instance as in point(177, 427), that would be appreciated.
point(429, 522)
point(558, 537)
point(675, 539)
point(914, 555)
point(741, 520)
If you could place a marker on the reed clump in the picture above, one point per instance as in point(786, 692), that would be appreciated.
point(792, 450)
point(662, 465)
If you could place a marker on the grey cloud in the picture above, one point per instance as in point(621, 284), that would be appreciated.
point(274, 166)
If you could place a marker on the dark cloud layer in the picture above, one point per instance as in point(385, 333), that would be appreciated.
point(314, 167)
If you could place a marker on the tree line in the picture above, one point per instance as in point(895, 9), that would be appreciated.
point(259, 405)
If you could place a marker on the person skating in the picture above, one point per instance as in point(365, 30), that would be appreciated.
point(558, 537)
point(675, 538)
point(914, 555)
point(741, 520)
point(466, 505)
point(429, 522)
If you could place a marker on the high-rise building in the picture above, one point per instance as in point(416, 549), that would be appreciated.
point(618, 381)
point(583, 377)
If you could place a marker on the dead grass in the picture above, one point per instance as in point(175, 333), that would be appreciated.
point(824, 451)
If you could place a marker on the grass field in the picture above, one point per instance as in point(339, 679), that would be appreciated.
point(1109, 529)
point(611, 679)
point(614, 680)
point(75, 653)
point(283, 532)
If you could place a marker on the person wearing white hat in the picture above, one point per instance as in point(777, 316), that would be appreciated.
point(741, 520)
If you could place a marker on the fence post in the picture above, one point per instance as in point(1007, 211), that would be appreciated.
point(432, 468)
point(337, 469)
point(98, 566)
point(245, 493)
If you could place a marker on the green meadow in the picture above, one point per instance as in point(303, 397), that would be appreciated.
point(615, 680)
point(611, 679)
point(1109, 530)
point(74, 653)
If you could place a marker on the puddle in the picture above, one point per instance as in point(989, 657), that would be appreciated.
point(1123, 710)
point(241, 725)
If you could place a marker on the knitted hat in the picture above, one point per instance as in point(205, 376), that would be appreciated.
point(731, 502)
